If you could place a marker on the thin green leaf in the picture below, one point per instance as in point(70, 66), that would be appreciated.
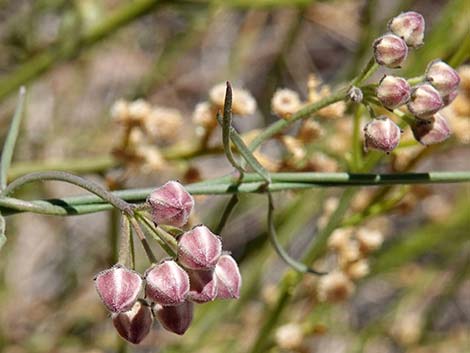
point(10, 141)
point(3, 238)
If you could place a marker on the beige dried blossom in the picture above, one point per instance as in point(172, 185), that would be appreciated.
point(349, 253)
point(316, 92)
point(204, 115)
point(313, 84)
point(153, 160)
point(334, 287)
point(358, 269)
point(309, 131)
point(295, 148)
point(243, 102)
point(136, 138)
point(163, 124)
point(368, 239)
point(340, 238)
point(139, 110)
point(285, 102)
point(320, 162)
point(289, 336)
point(120, 111)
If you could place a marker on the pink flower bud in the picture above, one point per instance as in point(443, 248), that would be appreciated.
point(175, 318)
point(171, 204)
point(167, 283)
point(390, 50)
point(409, 26)
point(448, 99)
point(432, 131)
point(381, 134)
point(443, 77)
point(393, 91)
point(425, 101)
point(134, 325)
point(203, 286)
point(199, 249)
point(118, 288)
point(229, 279)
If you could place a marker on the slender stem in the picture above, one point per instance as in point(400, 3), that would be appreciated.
point(165, 240)
point(125, 242)
point(356, 140)
point(226, 214)
point(415, 80)
point(143, 240)
point(368, 70)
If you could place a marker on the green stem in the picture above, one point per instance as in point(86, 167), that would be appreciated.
point(415, 80)
point(356, 163)
point(140, 234)
point(368, 70)
point(165, 240)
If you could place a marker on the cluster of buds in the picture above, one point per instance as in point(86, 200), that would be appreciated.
point(201, 273)
point(424, 101)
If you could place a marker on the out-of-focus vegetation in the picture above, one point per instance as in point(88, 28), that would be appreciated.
point(78, 58)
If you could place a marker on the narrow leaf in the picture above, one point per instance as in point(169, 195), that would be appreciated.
point(3, 238)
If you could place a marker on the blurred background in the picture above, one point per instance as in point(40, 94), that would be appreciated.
point(77, 58)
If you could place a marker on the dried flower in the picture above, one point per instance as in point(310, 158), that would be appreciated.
point(285, 102)
point(309, 131)
point(175, 318)
point(228, 276)
point(243, 102)
point(432, 131)
point(139, 110)
point(358, 269)
point(334, 287)
point(393, 91)
point(289, 336)
point(167, 283)
point(171, 204)
point(120, 111)
point(199, 249)
point(163, 124)
point(425, 101)
point(409, 26)
point(118, 288)
point(340, 238)
point(204, 116)
point(443, 77)
point(390, 50)
point(295, 148)
point(369, 239)
point(381, 134)
point(134, 325)
point(203, 286)
point(151, 158)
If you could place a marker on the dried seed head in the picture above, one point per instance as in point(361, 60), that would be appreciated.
point(425, 101)
point(175, 318)
point(357, 269)
point(150, 157)
point(381, 134)
point(203, 286)
point(167, 283)
point(289, 337)
point(204, 116)
point(243, 102)
point(228, 276)
point(310, 130)
point(369, 239)
point(409, 26)
point(199, 249)
point(443, 77)
point(134, 325)
point(163, 124)
point(171, 204)
point(285, 102)
point(118, 288)
point(393, 91)
point(139, 110)
point(334, 287)
point(432, 131)
point(340, 238)
point(390, 50)
point(120, 111)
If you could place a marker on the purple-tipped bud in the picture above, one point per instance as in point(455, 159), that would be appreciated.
point(118, 288)
point(167, 283)
point(229, 279)
point(134, 325)
point(381, 134)
point(431, 131)
point(450, 97)
point(175, 318)
point(443, 77)
point(199, 249)
point(171, 204)
point(393, 91)
point(203, 286)
point(425, 101)
point(409, 26)
point(390, 50)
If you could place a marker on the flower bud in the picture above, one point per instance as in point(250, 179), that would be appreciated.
point(228, 276)
point(118, 288)
point(390, 50)
point(425, 101)
point(448, 99)
point(167, 283)
point(409, 26)
point(134, 325)
point(171, 204)
point(355, 94)
point(381, 134)
point(432, 131)
point(203, 286)
point(443, 77)
point(393, 91)
point(199, 249)
point(175, 318)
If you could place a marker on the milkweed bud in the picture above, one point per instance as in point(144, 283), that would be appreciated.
point(409, 26)
point(118, 288)
point(175, 318)
point(355, 94)
point(171, 204)
point(134, 325)
point(443, 77)
point(425, 101)
point(199, 249)
point(381, 134)
point(448, 99)
point(228, 276)
point(390, 50)
point(167, 283)
point(203, 286)
point(393, 91)
point(432, 131)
